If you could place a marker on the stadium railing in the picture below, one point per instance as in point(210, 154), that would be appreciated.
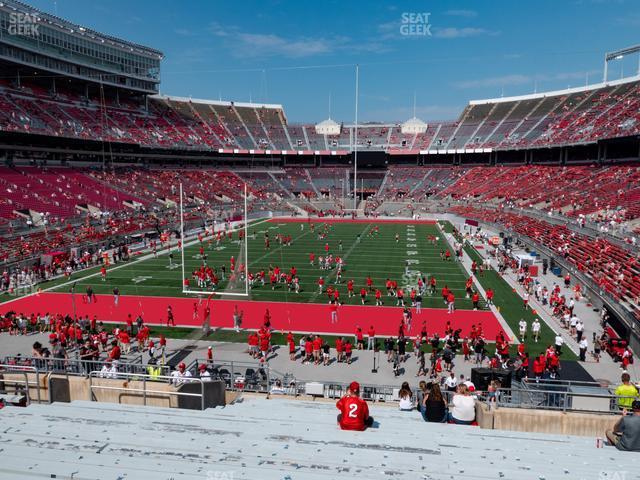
point(78, 367)
point(19, 386)
point(147, 388)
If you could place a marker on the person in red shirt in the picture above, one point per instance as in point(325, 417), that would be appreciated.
point(354, 412)
point(348, 349)
point(359, 338)
point(339, 349)
point(308, 350)
point(445, 294)
point(350, 288)
point(125, 341)
point(371, 340)
point(333, 308)
point(363, 295)
point(292, 348)
point(317, 345)
point(170, 320)
point(378, 297)
point(312, 258)
point(370, 284)
point(114, 353)
point(489, 296)
point(265, 341)
point(451, 302)
point(475, 298)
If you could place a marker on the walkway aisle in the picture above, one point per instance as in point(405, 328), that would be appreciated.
point(606, 369)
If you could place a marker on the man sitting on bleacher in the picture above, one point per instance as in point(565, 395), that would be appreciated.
point(354, 412)
point(626, 432)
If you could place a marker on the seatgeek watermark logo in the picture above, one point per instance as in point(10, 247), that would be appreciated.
point(220, 475)
point(613, 475)
point(415, 24)
point(23, 24)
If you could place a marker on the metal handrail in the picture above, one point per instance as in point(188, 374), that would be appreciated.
point(13, 369)
point(144, 390)
point(560, 382)
point(71, 366)
point(264, 370)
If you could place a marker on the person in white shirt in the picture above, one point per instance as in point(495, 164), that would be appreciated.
point(406, 398)
point(277, 388)
point(535, 328)
point(573, 322)
point(579, 330)
point(583, 344)
point(559, 342)
point(180, 374)
point(109, 370)
point(470, 385)
point(451, 382)
point(463, 411)
point(205, 376)
point(523, 328)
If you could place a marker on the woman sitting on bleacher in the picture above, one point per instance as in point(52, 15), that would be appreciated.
point(463, 411)
point(406, 398)
point(434, 408)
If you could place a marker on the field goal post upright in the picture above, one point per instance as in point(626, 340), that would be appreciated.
point(242, 253)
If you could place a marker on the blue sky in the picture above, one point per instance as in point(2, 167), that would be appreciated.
point(301, 54)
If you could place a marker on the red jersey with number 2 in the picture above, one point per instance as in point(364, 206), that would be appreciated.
point(354, 413)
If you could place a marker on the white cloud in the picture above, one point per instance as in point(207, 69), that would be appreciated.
point(258, 45)
point(518, 79)
point(454, 32)
point(462, 13)
point(251, 44)
point(183, 32)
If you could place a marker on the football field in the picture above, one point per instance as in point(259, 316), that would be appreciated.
point(379, 255)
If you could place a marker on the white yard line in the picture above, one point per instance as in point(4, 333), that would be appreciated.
point(128, 264)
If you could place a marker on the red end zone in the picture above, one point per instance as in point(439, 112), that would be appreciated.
point(348, 220)
point(296, 317)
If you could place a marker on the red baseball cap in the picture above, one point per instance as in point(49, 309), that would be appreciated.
point(202, 366)
point(354, 387)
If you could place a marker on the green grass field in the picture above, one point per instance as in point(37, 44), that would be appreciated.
point(379, 256)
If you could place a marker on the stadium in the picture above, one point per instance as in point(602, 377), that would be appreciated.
point(201, 288)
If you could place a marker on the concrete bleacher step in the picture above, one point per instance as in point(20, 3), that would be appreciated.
point(259, 438)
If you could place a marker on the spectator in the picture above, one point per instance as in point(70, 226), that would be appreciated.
point(423, 391)
point(354, 412)
point(109, 370)
point(180, 374)
point(626, 392)
point(464, 407)
point(451, 382)
point(277, 388)
point(584, 345)
point(205, 376)
point(406, 398)
point(625, 434)
point(434, 407)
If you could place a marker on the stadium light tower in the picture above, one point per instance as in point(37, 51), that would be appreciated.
point(619, 55)
point(355, 149)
